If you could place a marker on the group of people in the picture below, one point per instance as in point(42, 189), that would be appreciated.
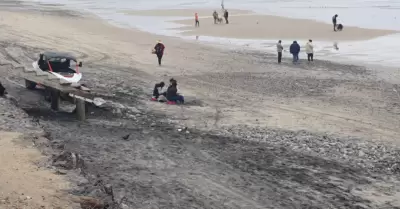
point(294, 49)
point(171, 94)
point(218, 19)
point(309, 47)
point(215, 16)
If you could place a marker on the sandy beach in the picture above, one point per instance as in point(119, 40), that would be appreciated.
point(273, 27)
point(247, 25)
point(252, 134)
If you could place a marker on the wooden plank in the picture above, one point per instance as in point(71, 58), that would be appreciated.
point(41, 73)
point(52, 77)
point(55, 84)
point(29, 70)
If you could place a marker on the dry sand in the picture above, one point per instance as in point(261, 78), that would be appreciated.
point(305, 117)
point(23, 184)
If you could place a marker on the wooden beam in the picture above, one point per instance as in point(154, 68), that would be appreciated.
point(55, 99)
point(55, 84)
point(81, 109)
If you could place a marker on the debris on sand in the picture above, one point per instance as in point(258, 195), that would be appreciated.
point(126, 137)
point(68, 160)
point(90, 202)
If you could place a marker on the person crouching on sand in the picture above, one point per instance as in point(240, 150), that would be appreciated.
point(310, 51)
point(295, 50)
point(196, 19)
point(159, 51)
point(279, 49)
point(157, 89)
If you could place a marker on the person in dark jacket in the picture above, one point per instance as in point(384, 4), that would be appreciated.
point(157, 89)
point(215, 16)
point(295, 50)
point(170, 85)
point(159, 51)
point(172, 93)
point(226, 15)
point(334, 21)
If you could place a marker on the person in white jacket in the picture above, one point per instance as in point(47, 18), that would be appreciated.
point(279, 49)
point(310, 51)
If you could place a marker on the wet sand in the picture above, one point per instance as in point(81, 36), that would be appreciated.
point(182, 12)
point(245, 24)
point(275, 28)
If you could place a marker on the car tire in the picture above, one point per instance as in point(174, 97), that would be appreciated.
point(30, 84)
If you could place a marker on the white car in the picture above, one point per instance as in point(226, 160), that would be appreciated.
point(61, 64)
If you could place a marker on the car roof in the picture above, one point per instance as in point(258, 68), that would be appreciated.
point(53, 54)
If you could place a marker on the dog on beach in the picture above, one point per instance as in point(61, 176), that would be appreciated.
point(219, 20)
point(339, 27)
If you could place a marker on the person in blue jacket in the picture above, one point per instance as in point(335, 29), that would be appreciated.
point(295, 50)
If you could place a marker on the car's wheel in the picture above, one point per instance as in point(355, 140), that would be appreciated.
point(30, 84)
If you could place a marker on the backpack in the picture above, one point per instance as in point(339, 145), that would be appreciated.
point(159, 48)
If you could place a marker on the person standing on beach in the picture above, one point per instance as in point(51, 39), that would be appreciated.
point(295, 50)
point(226, 15)
point(334, 21)
point(279, 49)
point(196, 18)
point(215, 16)
point(310, 51)
point(159, 51)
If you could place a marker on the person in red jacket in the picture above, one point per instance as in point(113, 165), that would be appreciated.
point(159, 51)
point(196, 18)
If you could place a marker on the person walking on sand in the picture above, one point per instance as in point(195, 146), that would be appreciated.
point(310, 51)
point(226, 15)
point(196, 19)
point(334, 21)
point(295, 50)
point(279, 49)
point(215, 16)
point(159, 51)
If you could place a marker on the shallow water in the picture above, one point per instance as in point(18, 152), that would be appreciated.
point(380, 14)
